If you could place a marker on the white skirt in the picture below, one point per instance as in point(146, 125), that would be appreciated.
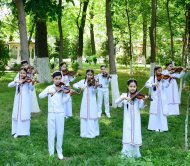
point(21, 128)
point(173, 109)
point(89, 128)
point(129, 150)
point(158, 122)
point(35, 106)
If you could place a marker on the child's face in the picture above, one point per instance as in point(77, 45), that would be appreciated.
point(57, 80)
point(25, 65)
point(63, 67)
point(29, 70)
point(132, 87)
point(169, 68)
point(89, 75)
point(159, 71)
point(103, 70)
point(23, 74)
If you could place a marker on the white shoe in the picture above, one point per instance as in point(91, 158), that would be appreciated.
point(157, 130)
point(108, 115)
point(161, 131)
point(60, 156)
point(15, 136)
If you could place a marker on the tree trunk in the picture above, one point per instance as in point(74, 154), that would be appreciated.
point(186, 122)
point(144, 37)
point(93, 46)
point(22, 31)
point(41, 51)
point(130, 39)
point(153, 36)
point(81, 32)
point(60, 32)
point(171, 32)
point(111, 52)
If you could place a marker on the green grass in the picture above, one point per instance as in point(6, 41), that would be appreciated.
point(159, 149)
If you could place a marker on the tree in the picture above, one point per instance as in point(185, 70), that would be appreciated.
point(81, 24)
point(111, 52)
point(153, 37)
point(93, 46)
point(22, 30)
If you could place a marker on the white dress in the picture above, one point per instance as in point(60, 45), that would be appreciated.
point(158, 107)
point(132, 138)
point(21, 109)
point(68, 105)
point(172, 93)
point(89, 127)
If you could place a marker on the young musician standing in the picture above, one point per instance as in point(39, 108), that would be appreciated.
point(132, 138)
point(103, 92)
point(56, 114)
point(22, 105)
point(171, 91)
point(158, 107)
point(66, 79)
point(89, 127)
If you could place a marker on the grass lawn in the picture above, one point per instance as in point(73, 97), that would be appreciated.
point(159, 149)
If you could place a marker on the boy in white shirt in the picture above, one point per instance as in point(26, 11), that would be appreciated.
point(103, 91)
point(56, 113)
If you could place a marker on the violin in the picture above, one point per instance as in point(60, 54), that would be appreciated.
point(176, 70)
point(162, 76)
point(106, 75)
point(65, 89)
point(70, 73)
point(91, 82)
point(140, 96)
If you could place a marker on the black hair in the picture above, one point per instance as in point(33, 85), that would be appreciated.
point(167, 64)
point(24, 61)
point(89, 70)
point(57, 73)
point(102, 66)
point(62, 63)
point(24, 69)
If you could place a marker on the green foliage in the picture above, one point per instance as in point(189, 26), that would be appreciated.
point(4, 56)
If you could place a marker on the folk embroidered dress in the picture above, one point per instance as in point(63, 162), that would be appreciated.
point(132, 138)
point(22, 108)
point(89, 127)
point(159, 106)
point(172, 93)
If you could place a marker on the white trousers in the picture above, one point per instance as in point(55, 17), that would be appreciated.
point(103, 93)
point(55, 128)
point(68, 107)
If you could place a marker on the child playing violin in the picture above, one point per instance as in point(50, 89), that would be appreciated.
point(67, 77)
point(171, 91)
point(22, 105)
point(158, 107)
point(103, 92)
point(56, 113)
point(89, 127)
point(132, 138)
point(35, 106)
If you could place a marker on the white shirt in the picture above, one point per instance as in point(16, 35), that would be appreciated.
point(55, 102)
point(103, 80)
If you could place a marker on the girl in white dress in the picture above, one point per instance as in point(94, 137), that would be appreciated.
point(35, 105)
point(172, 90)
point(89, 127)
point(66, 79)
point(22, 105)
point(132, 138)
point(158, 107)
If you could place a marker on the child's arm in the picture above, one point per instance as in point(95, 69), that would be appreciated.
point(44, 93)
point(71, 78)
point(121, 98)
point(180, 75)
point(12, 84)
point(78, 85)
point(149, 83)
